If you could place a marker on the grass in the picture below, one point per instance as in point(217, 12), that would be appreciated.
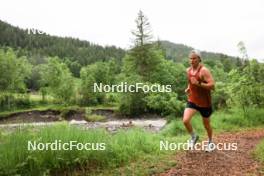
point(95, 118)
point(37, 97)
point(221, 121)
point(121, 148)
point(33, 102)
point(112, 106)
point(259, 154)
point(259, 151)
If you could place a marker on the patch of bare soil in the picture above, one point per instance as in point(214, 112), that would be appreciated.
point(238, 162)
point(56, 115)
point(112, 115)
point(32, 116)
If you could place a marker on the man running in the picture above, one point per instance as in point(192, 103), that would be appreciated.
point(200, 84)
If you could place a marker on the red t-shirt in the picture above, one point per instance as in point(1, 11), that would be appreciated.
point(198, 95)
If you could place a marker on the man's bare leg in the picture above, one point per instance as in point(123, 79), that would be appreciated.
point(207, 126)
point(187, 116)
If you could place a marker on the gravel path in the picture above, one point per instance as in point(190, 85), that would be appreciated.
point(238, 162)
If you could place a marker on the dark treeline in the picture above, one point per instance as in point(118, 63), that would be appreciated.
point(39, 45)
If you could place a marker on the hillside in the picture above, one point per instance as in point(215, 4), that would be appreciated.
point(38, 45)
point(179, 53)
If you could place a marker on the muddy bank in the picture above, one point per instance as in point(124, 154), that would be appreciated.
point(32, 116)
point(36, 116)
point(69, 115)
point(113, 121)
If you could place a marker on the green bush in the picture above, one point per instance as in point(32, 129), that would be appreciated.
point(112, 97)
point(254, 116)
point(132, 104)
point(220, 96)
point(57, 80)
point(10, 101)
point(164, 103)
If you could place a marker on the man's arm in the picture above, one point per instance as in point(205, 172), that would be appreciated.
point(208, 78)
point(187, 90)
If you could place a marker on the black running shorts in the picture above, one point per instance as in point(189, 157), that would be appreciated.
point(205, 112)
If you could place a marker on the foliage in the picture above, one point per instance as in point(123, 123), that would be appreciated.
point(164, 103)
point(13, 71)
point(12, 101)
point(95, 74)
point(56, 77)
point(245, 87)
point(142, 64)
point(143, 32)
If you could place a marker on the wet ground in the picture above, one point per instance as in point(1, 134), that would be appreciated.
point(112, 123)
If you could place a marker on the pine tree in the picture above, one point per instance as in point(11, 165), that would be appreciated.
point(143, 32)
point(143, 56)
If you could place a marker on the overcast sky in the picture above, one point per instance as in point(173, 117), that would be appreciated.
point(210, 25)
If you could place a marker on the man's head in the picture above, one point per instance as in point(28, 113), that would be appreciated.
point(195, 58)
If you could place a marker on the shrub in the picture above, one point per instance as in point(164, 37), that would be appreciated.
point(164, 103)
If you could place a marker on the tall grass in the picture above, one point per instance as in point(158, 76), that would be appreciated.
point(259, 152)
point(120, 148)
point(221, 121)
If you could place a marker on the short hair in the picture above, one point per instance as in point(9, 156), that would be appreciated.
point(197, 53)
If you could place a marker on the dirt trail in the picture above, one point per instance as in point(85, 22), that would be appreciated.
point(239, 162)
